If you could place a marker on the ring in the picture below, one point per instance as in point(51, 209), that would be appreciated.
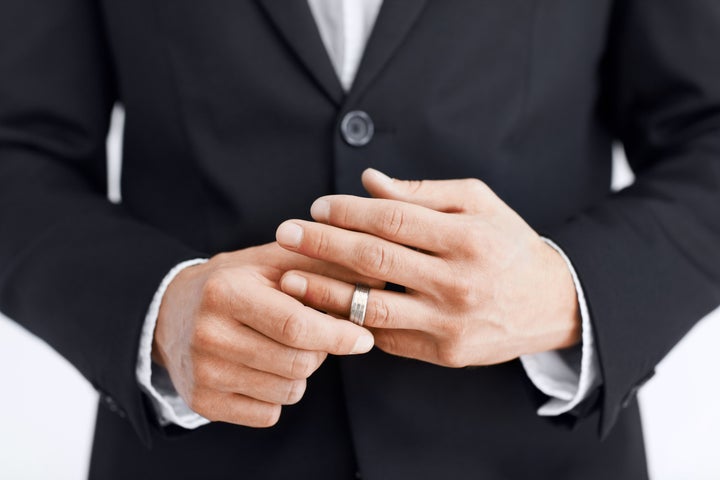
point(358, 306)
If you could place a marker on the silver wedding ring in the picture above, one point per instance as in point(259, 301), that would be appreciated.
point(358, 306)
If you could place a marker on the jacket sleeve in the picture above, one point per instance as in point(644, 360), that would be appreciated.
point(648, 257)
point(75, 269)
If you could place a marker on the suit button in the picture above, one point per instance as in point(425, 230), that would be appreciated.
point(357, 128)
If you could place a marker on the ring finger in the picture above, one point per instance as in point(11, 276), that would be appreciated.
point(385, 309)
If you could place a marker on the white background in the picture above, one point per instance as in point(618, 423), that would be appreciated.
point(47, 409)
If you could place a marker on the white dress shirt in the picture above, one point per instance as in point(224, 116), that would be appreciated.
point(567, 377)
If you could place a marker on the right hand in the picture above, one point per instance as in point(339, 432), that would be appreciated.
point(237, 349)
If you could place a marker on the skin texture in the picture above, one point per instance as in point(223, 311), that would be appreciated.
point(482, 287)
point(237, 348)
point(240, 334)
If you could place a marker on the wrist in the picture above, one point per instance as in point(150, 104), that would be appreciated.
point(562, 317)
point(174, 303)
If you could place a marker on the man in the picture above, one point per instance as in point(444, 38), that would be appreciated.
point(241, 116)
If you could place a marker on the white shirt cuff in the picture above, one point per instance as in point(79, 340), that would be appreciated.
point(169, 406)
point(567, 376)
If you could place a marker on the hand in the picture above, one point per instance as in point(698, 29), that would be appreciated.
point(481, 286)
point(236, 347)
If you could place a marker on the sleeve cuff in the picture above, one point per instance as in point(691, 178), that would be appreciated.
point(170, 408)
point(568, 376)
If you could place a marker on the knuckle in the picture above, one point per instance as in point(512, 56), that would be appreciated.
point(482, 197)
point(375, 258)
point(203, 338)
point(415, 186)
point(222, 258)
point(324, 295)
point(392, 221)
point(199, 404)
point(450, 355)
point(252, 356)
point(387, 342)
point(463, 291)
point(337, 343)
point(268, 415)
point(455, 330)
point(476, 186)
point(341, 212)
point(378, 313)
point(323, 245)
point(215, 291)
point(295, 392)
point(293, 327)
point(301, 365)
point(478, 194)
point(200, 372)
point(341, 345)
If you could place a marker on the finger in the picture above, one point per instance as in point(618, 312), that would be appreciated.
point(240, 344)
point(399, 222)
point(230, 377)
point(425, 347)
point(368, 255)
point(451, 196)
point(286, 320)
point(385, 309)
point(236, 409)
point(277, 260)
point(341, 273)
point(287, 260)
point(408, 344)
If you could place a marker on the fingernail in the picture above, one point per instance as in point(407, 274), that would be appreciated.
point(380, 177)
point(289, 234)
point(320, 210)
point(294, 285)
point(363, 345)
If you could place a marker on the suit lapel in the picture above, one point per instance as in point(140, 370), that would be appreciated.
point(296, 25)
point(394, 22)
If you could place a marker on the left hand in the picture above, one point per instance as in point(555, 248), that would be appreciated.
point(482, 287)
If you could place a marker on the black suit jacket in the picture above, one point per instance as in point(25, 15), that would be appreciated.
point(233, 114)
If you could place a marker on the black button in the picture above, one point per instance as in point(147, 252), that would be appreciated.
point(357, 128)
